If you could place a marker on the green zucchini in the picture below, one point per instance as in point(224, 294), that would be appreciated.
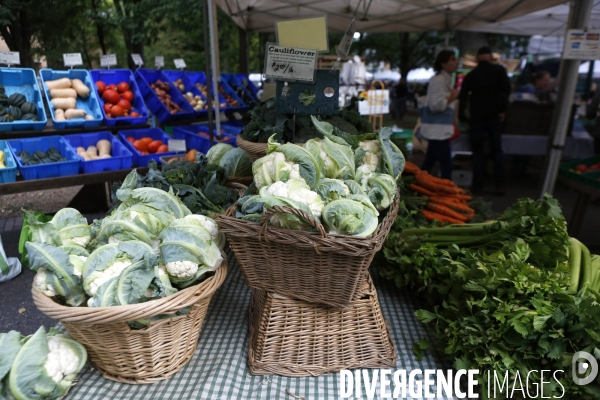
point(586, 267)
point(574, 264)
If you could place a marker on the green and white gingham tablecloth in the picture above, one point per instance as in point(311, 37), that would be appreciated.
point(218, 370)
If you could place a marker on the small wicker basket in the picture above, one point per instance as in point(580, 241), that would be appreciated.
point(139, 356)
point(254, 150)
point(315, 267)
point(294, 338)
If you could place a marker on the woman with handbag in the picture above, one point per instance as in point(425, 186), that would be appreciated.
point(437, 114)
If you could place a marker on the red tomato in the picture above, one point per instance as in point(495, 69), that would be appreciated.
point(124, 104)
point(581, 168)
point(123, 87)
point(130, 139)
point(154, 145)
point(117, 111)
point(111, 96)
point(101, 86)
point(147, 140)
point(140, 146)
point(134, 114)
point(112, 86)
point(163, 148)
point(127, 95)
point(107, 107)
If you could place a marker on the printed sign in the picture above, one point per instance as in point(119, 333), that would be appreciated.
point(137, 60)
point(159, 62)
point(72, 59)
point(10, 58)
point(344, 47)
point(376, 102)
point(290, 63)
point(177, 145)
point(581, 45)
point(108, 60)
point(179, 63)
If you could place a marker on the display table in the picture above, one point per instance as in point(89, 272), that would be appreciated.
point(219, 369)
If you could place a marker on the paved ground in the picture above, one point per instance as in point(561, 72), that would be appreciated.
point(15, 294)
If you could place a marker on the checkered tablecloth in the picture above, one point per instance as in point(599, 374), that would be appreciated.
point(218, 370)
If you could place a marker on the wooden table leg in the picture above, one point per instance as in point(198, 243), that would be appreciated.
point(578, 213)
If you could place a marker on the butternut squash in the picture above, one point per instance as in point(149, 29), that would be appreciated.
point(81, 151)
point(62, 83)
point(61, 93)
point(80, 87)
point(92, 152)
point(103, 147)
point(59, 115)
point(64, 103)
point(74, 113)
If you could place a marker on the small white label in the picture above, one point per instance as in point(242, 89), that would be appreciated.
point(179, 63)
point(10, 58)
point(159, 62)
point(137, 60)
point(291, 63)
point(72, 59)
point(344, 47)
point(108, 60)
point(177, 145)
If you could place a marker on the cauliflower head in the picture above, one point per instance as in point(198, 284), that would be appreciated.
point(182, 269)
point(274, 167)
point(372, 158)
point(39, 282)
point(299, 191)
point(114, 270)
point(61, 361)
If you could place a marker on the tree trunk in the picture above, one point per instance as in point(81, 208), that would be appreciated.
point(99, 30)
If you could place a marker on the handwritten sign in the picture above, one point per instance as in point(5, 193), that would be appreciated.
point(290, 63)
point(72, 59)
point(177, 145)
point(137, 60)
point(179, 63)
point(108, 60)
point(159, 62)
point(344, 47)
point(10, 58)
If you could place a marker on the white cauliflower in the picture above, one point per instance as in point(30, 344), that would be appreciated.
point(298, 191)
point(77, 262)
point(373, 155)
point(112, 239)
point(209, 224)
point(110, 272)
point(274, 167)
point(80, 240)
point(61, 361)
point(39, 282)
point(181, 269)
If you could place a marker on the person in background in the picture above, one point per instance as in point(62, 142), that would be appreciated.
point(399, 95)
point(540, 86)
point(485, 90)
point(440, 97)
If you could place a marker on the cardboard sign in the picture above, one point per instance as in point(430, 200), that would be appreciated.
point(179, 63)
point(72, 59)
point(306, 33)
point(108, 60)
point(137, 60)
point(10, 58)
point(290, 63)
point(159, 62)
point(377, 102)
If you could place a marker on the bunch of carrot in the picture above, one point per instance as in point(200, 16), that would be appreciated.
point(446, 201)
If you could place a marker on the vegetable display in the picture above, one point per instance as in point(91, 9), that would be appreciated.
point(514, 296)
point(118, 99)
point(202, 89)
point(102, 149)
point(147, 145)
point(39, 157)
point(162, 90)
point(64, 93)
point(195, 101)
point(39, 366)
point(235, 161)
point(16, 107)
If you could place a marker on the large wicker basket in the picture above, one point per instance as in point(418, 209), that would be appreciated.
point(295, 338)
point(139, 356)
point(254, 150)
point(315, 267)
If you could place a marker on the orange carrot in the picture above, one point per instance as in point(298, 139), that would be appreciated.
point(461, 197)
point(430, 216)
point(420, 190)
point(441, 209)
point(457, 206)
point(441, 181)
point(424, 181)
point(411, 168)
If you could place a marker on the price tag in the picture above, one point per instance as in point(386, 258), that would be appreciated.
point(10, 58)
point(290, 63)
point(179, 63)
point(177, 145)
point(137, 60)
point(72, 59)
point(159, 62)
point(108, 60)
point(344, 47)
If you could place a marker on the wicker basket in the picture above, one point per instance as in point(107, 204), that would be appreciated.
point(254, 150)
point(242, 180)
point(139, 356)
point(294, 338)
point(315, 267)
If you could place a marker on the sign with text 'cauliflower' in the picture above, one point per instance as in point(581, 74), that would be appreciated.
point(290, 63)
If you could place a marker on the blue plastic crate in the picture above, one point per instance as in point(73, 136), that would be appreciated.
point(23, 81)
point(193, 140)
point(231, 92)
point(48, 170)
point(243, 78)
point(8, 174)
point(188, 87)
point(116, 76)
point(232, 128)
point(239, 87)
point(144, 77)
point(90, 105)
point(121, 157)
point(140, 160)
point(200, 77)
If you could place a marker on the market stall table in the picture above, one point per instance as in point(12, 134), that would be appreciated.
point(219, 368)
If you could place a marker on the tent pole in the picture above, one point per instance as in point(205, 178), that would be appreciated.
point(578, 19)
point(209, 95)
point(214, 55)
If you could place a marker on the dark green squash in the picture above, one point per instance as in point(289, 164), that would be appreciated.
point(2, 90)
point(15, 113)
point(5, 118)
point(29, 117)
point(3, 99)
point(29, 108)
point(2, 110)
point(16, 99)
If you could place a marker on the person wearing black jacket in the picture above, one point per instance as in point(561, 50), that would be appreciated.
point(484, 95)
